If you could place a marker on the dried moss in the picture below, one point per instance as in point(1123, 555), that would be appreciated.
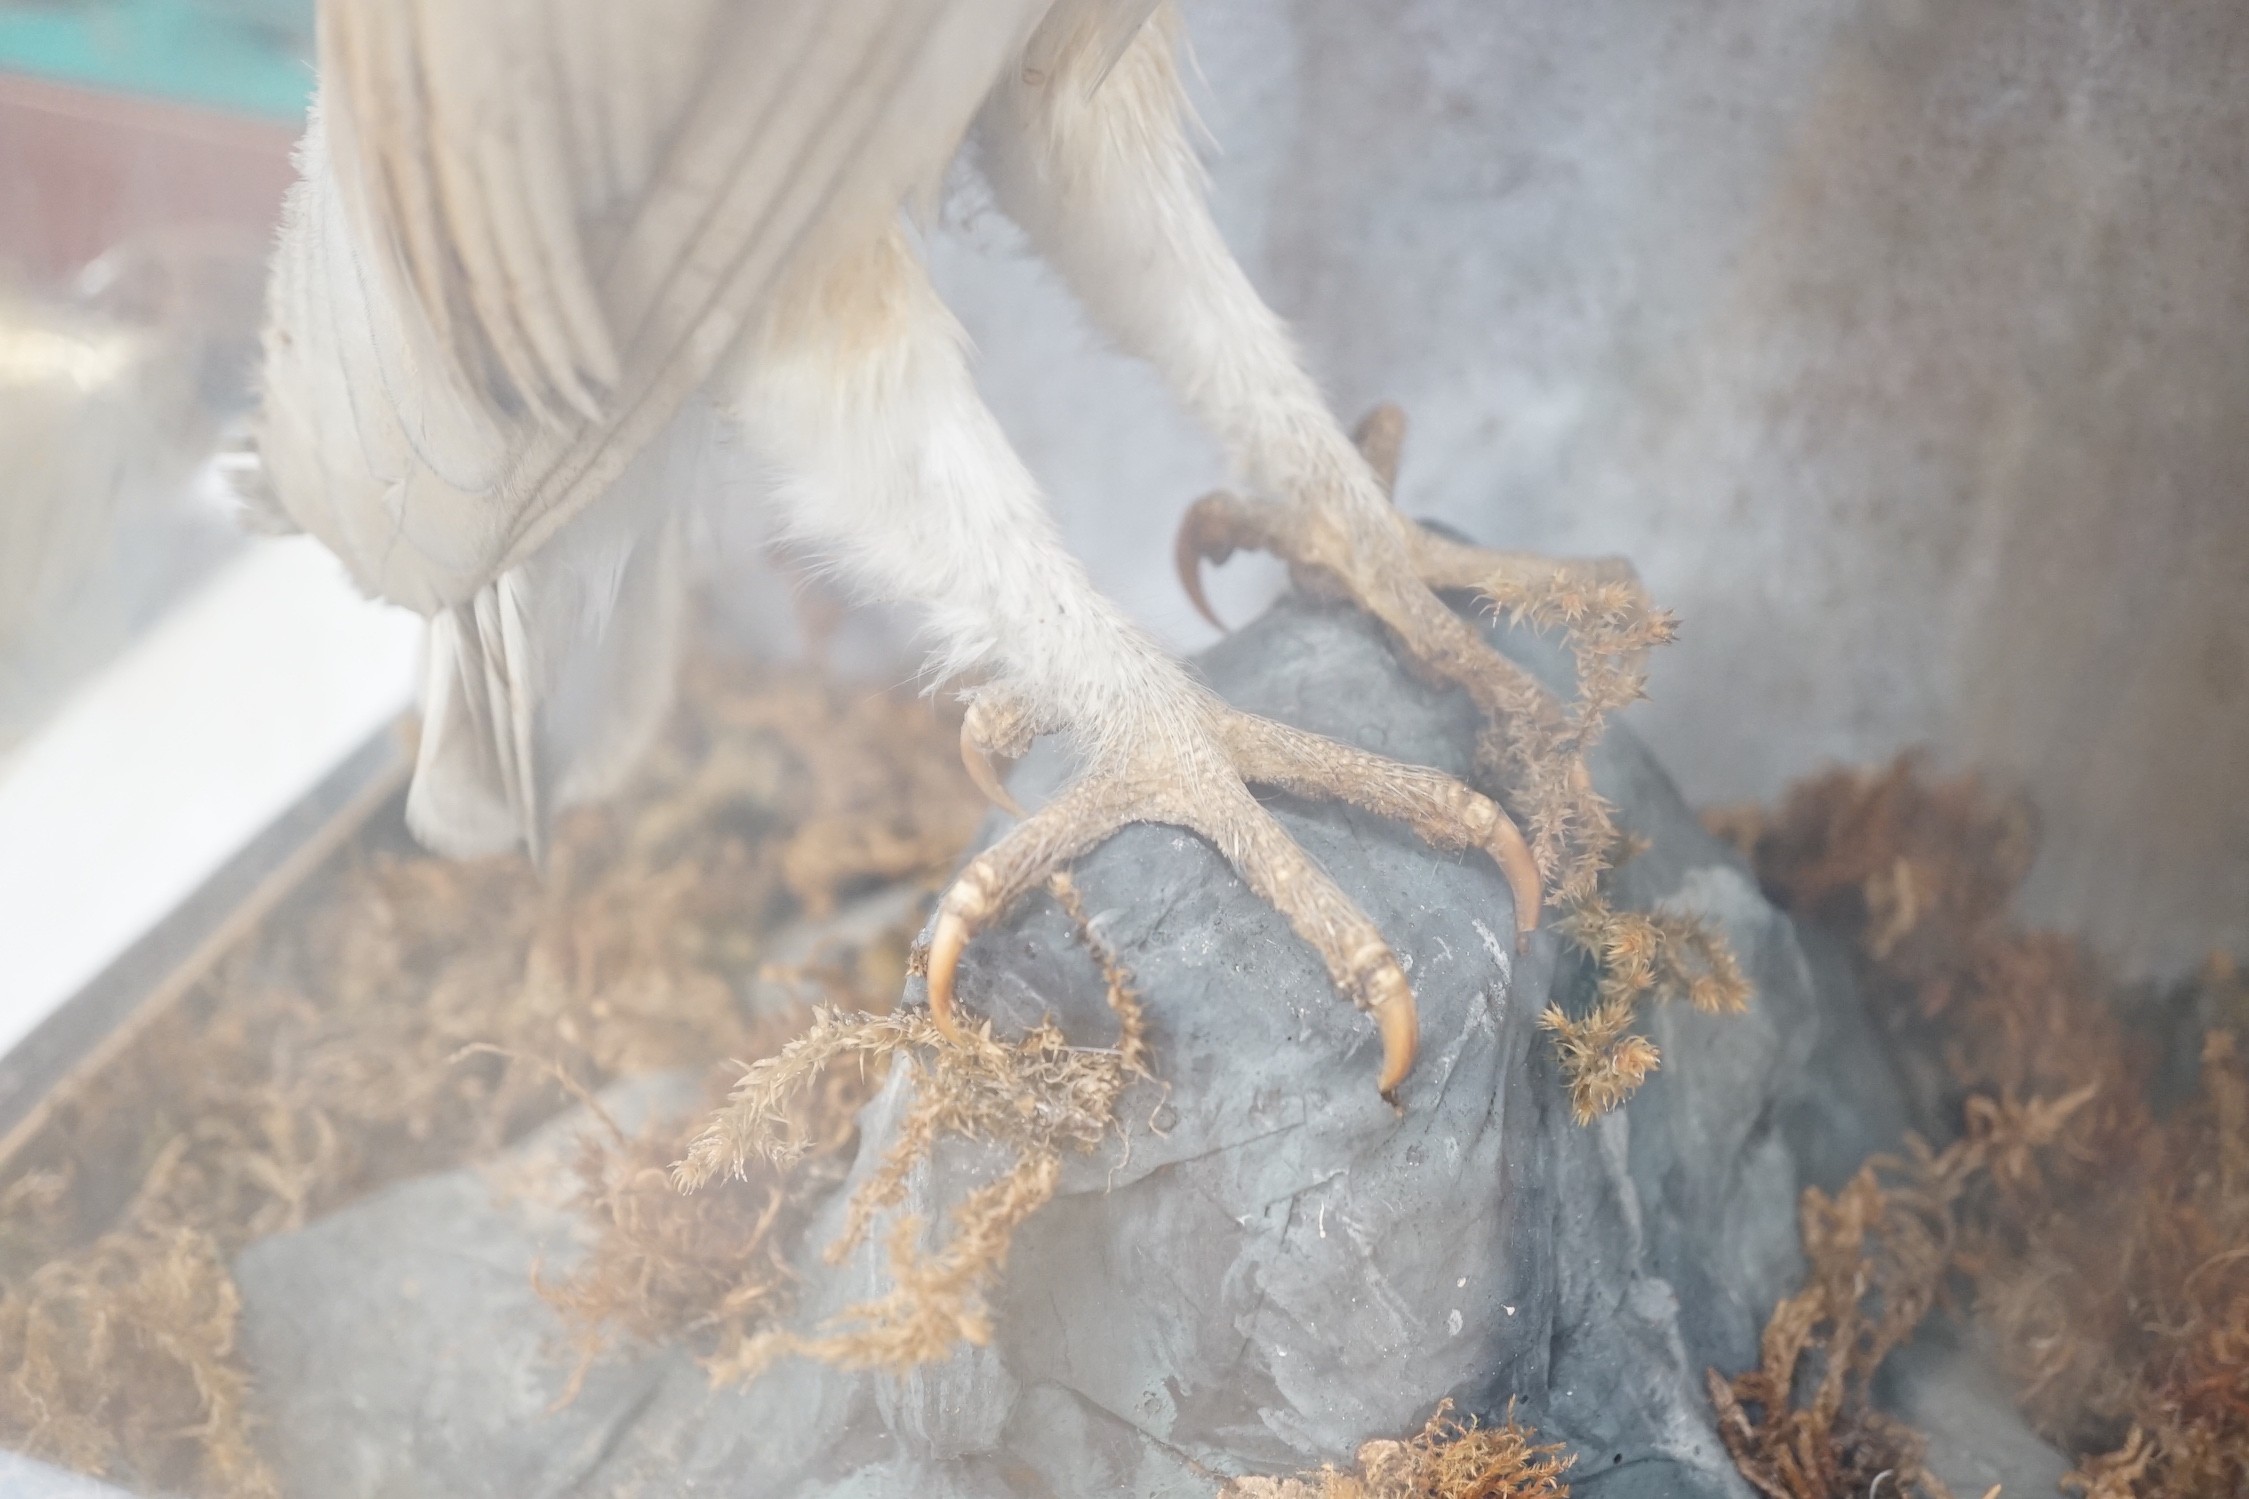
point(1638, 957)
point(2093, 1243)
point(1036, 1099)
point(1803, 1424)
point(1449, 1458)
point(120, 1363)
point(1535, 757)
point(408, 1013)
point(708, 1272)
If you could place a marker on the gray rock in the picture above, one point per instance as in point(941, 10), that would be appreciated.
point(23, 1478)
point(402, 1337)
point(1272, 1265)
point(1958, 1402)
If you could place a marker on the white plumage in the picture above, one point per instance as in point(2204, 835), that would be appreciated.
point(533, 238)
point(528, 231)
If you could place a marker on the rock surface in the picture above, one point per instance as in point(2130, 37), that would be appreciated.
point(23, 1478)
point(1270, 1268)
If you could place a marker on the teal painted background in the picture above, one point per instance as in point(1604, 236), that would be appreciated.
point(243, 56)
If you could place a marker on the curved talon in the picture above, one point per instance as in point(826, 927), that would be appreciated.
point(1399, 1024)
point(1513, 855)
point(1192, 547)
point(980, 770)
point(945, 945)
point(996, 878)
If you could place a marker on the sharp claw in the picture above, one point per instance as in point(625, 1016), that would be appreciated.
point(1514, 858)
point(1400, 1026)
point(945, 946)
point(986, 778)
point(1188, 553)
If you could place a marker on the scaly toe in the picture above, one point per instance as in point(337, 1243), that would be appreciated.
point(1381, 439)
point(1040, 845)
point(1194, 787)
point(1443, 811)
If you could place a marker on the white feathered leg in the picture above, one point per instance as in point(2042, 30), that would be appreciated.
point(1091, 156)
point(860, 397)
point(887, 460)
point(1093, 159)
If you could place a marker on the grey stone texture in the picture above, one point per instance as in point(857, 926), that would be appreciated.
point(23, 1478)
point(1269, 1267)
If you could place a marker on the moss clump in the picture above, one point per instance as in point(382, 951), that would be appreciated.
point(2092, 1241)
point(1037, 1099)
point(406, 1013)
point(1535, 755)
point(1449, 1458)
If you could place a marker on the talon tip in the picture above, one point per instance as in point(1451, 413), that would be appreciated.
point(945, 945)
point(987, 779)
point(1516, 862)
point(1190, 564)
point(1400, 1028)
point(1188, 556)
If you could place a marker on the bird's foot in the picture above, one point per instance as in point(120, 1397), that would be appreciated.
point(1196, 774)
point(1345, 540)
point(1345, 546)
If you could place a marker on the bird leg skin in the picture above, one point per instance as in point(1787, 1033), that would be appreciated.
point(1200, 781)
point(1344, 540)
point(1319, 554)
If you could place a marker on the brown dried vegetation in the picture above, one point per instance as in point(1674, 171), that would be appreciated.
point(2091, 1241)
point(1033, 1099)
point(1638, 956)
point(1448, 1459)
point(1536, 758)
point(407, 1013)
point(125, 1351)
